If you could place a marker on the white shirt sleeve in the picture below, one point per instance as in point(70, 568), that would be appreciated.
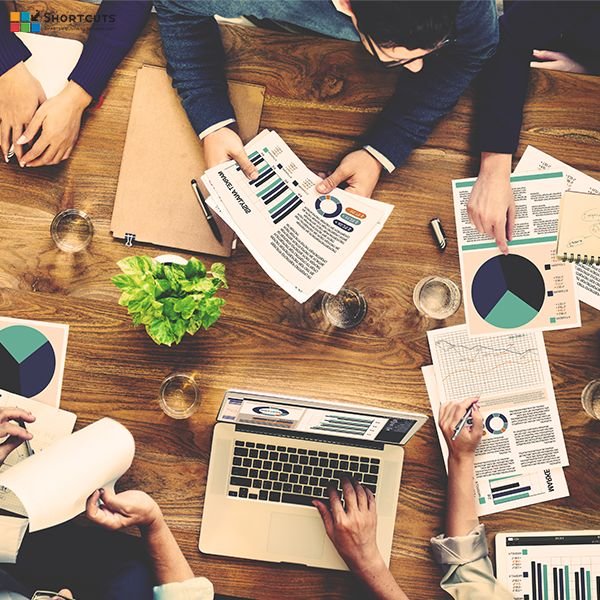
point(215, 127)
point(387, 165)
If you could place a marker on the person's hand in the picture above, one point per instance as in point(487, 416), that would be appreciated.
point(16, 434)
point(556, 61)
point(353, 530)
point(359, 169)
point(225, 144)
point(65, 593)
point(59, 119)
point(20, 95)
point(116, 511)
point(468, 439)
point(491, 206)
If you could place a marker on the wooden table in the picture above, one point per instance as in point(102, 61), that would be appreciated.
point(321, 94)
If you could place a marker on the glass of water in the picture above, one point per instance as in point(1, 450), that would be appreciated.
point(345, 309)
point(436, 297)
point(72, 230)
point(179, 396)
point(590, 398)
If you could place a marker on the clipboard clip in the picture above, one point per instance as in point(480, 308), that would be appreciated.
point(129, 239)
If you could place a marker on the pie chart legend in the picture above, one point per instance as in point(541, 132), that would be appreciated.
point(508, 291)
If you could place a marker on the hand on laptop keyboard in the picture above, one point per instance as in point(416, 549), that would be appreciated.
point(351, 526)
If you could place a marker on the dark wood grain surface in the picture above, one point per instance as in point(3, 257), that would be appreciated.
point(321, 95)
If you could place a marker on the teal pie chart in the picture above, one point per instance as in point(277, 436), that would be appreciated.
point(27, 361)
point(508, 291)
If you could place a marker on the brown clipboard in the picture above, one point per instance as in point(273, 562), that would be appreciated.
point(155, 202)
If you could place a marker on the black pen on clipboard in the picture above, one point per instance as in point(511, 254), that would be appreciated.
point(28, 447)
point(209, 216)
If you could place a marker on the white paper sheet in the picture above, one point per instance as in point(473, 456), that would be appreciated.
point(587, 276)
point(12, 530)
point(54, 485)
point(513, 490)
point(51, 424)
point(303, 240)
point(511, 376)
point(530, 288)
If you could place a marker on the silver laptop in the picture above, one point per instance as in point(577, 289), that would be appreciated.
point(272, 455)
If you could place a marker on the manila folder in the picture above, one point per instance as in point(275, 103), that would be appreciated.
point(155, 202)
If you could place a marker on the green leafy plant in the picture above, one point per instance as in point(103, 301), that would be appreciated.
point(170, 299)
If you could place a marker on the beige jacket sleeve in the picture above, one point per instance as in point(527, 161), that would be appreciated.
point(468, 572)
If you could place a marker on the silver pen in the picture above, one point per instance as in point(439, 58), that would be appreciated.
point(459, 426)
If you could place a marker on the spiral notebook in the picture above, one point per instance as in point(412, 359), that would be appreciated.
point(579, 228)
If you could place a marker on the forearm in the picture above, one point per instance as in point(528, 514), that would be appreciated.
point(196, 62)
point(379, 580)
point(461, 516)
point(118, 24)
point(170, 565)
point(495, 164)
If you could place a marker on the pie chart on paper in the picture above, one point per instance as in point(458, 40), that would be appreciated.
point(27, 360)
point(508, 291)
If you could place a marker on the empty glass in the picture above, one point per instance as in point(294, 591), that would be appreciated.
point(72, 230)
point(436, 297)
point(179, 396)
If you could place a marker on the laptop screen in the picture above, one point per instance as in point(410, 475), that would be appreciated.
point(316, 420)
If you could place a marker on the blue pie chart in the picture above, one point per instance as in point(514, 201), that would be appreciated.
point(508, 291)
point(27, 360)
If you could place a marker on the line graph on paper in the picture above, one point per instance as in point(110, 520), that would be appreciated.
point(473, 366)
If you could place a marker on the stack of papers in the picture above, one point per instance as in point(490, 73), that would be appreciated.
point(520, 458)
point(303, 240)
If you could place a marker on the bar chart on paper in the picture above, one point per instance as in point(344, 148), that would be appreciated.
point(551, 566)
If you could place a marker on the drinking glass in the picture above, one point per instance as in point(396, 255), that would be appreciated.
point(179, 396)
point(436, 297)
point(72, 230)
point(590, 398)
point(345, 309)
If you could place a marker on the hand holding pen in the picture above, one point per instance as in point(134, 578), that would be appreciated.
point(461, 436)
point(17, 433)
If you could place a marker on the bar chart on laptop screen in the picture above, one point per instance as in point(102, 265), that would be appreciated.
point(561, 567)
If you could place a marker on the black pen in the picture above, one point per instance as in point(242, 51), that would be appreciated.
point(209, 216)
point(28, 447)
point(462, 422)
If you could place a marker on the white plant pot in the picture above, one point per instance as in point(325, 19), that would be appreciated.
point(171, 259)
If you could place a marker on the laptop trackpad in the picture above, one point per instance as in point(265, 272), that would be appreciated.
point(296, 535)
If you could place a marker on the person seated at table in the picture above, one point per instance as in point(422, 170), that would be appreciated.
point(462, 552)
point(92, 564)
point(24, 109)
point(436, 48)
point(527, 30)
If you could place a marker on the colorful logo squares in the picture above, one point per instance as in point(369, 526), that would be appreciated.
point(21, 21)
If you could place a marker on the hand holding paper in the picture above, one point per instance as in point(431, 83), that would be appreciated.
point(54, 485)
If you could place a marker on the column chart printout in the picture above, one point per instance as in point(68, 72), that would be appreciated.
point(511, 377)
point(587, 276)
point(497, 493)
point(530, 288)
point(303, 240)
point(553, 565)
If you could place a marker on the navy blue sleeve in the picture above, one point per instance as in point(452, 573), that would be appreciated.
point(421, 99)
point(196, 62)
point(12, 49)
point(502, 87)
point(117, 25)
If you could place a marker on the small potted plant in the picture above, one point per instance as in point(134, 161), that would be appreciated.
point(170, 299)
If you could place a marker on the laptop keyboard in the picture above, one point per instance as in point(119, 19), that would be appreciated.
point(294, 475)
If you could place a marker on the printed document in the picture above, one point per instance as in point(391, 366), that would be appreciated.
point(587, 276)
point(54, 485)
point(495, 494)
point(511, 376)
point(305, 241)
point(530, 288)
